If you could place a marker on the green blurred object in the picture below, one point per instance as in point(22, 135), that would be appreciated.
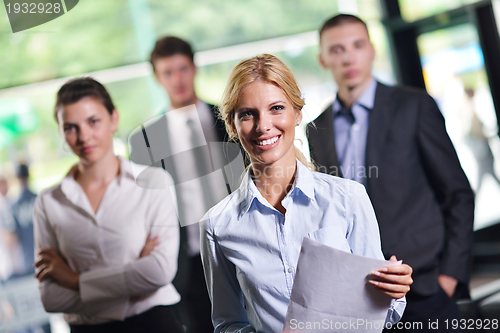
point(17, 117)
point(412, 10)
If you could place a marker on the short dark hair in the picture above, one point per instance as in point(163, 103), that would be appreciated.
point(22, 171)
point(339, 20)
point(76, 89)
point(169, 46)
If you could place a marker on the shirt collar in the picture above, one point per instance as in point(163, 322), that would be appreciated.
point(70, 187)
point(304, 183)
point(125, 170)
point(183, 114)
point(366, 99)
point(200, 111)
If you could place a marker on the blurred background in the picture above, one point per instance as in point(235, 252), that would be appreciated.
point(449, 47)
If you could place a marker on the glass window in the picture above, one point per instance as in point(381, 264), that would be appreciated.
point(97, 35)
point(454, 74)
point(412, 10)
point(111, 40)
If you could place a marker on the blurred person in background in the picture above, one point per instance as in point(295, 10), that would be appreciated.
point(393, 140)
point(18, 246)
point(5, 235)
point(478, 138)
point(4, 189)
point(20, 222)
point(184, 132)
point(106, 248)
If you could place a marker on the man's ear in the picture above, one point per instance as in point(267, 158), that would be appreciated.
point(374, 53)
point(321, 62)
point(115, 117)
point(156, 75)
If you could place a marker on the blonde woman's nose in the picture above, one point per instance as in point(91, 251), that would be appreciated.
point(264, 123)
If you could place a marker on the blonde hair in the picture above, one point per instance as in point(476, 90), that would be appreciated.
point(267, 68)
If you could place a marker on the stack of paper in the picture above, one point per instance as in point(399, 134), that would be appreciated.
point(331, 292)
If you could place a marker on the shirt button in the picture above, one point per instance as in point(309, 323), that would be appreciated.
point(290, 270)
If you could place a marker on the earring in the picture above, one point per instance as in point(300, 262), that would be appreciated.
point(298, 123)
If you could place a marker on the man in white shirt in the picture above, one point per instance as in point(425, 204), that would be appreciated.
point(184, 141)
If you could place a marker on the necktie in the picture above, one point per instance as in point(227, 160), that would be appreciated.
point(346, 158)
point(202, 160)
point(347, 114)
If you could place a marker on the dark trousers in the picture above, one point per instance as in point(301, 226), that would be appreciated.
point(195, 308)
point(159, 319)
point(428, 314)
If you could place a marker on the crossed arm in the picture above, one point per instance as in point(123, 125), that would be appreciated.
point(49, 263)
point(64, 290)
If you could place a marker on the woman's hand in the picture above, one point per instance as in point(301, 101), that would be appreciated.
point(49, 263)
point(397, 279)
point(150, 245)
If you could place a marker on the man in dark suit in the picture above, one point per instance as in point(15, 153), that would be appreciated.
point(393, 140)
point(187, 141)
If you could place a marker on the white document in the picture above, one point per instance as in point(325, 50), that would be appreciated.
point(331, 292)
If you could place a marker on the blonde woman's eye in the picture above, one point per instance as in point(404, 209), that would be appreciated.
point(245, 115)
point(277, 107)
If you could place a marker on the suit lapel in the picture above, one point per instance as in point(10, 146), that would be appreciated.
point(322, 132)
point(168, 161)
point(381, 117)
point(220, 126)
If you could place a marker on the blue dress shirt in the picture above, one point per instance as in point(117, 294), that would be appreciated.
point(250, 250)
point(350, 138)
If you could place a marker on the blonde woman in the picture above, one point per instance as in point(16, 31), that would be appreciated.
point(252, 238)
point(106, 248)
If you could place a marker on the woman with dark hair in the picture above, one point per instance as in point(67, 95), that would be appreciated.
point(106, 248)
point(253, 237)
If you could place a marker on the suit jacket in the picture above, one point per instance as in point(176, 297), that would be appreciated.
point(151, 146)
point(420, 194)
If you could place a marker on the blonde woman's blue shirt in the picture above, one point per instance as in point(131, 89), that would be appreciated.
point(250, 250)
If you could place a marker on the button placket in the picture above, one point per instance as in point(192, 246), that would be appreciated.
point(285, 251)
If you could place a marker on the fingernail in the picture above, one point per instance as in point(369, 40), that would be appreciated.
point(376, 273)
point(384, 269)
point(373, 282)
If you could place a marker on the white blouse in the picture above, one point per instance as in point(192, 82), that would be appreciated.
point(105, 246)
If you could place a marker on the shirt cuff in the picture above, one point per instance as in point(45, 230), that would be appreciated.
point(396, 311)
point(102, 284)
